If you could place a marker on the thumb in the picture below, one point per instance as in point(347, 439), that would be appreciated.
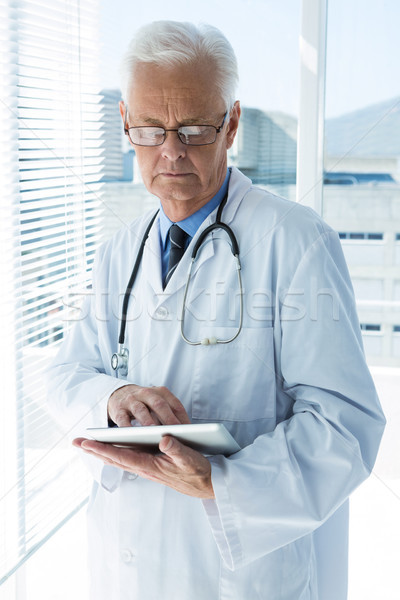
point(172, 447)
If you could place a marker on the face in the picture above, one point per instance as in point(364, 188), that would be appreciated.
point(183, 177)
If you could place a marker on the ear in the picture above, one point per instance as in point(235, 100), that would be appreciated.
point(234, 118)
point(122, 109)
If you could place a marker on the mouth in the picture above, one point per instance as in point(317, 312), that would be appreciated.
point(173, 175)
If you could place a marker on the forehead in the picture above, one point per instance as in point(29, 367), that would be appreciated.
point(174, 93)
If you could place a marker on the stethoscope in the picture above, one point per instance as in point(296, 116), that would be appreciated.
point(119, 360)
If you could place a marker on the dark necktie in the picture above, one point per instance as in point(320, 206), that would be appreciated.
point(178, 239)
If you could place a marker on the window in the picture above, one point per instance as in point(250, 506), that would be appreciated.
point(51, 158)
point(369, 327)
point(360, 236)
point(361, 144)
point(361, 196)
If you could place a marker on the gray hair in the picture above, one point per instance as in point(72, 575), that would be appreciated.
point(171, 43)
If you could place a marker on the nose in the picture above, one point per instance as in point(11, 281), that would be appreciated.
point(173, 149)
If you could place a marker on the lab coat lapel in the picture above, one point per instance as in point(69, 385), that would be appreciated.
point(239, 185)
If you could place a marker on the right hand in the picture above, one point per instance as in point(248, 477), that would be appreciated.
point(147, 405)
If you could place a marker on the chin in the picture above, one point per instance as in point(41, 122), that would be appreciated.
point(175, 192)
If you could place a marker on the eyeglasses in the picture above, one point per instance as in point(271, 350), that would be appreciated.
point(191, 135)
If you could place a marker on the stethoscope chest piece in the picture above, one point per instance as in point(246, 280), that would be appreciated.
point(119, 361)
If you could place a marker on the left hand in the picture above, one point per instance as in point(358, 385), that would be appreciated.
point(178, 467)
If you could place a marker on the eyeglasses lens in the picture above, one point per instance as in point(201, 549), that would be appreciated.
point(192, 135)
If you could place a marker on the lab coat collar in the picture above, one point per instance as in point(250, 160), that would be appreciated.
point(239, 185)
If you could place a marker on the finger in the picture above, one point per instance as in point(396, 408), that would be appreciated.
point(77, 442)
point(182, 416)
point(176, 405)
point(104, 453)
point(155, 418)
point(95, 454)
point(143, 414)
point(148, 408)
point(167, 408)
point(149, 405)
point(127, 458)
point(118, 406)
point(122, 418)
point(93, 447)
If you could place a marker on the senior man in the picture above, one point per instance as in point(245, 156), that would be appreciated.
point(289, 382)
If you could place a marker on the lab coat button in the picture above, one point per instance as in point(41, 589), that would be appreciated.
point(162, 312)
point(132, 476)
point(127, 556)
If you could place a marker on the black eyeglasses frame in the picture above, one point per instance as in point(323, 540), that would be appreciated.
point(178, 131)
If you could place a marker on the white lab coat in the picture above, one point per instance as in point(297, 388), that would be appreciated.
point(293, 389)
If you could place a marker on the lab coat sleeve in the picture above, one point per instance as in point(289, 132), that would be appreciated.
point(79, 386)
point(289, 481)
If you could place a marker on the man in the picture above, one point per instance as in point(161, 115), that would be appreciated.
point(291, 386)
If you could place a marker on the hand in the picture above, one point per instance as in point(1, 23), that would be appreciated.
point(179, 467)
point(148, 405)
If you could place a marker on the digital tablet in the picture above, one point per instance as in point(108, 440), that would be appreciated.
point(207, 438)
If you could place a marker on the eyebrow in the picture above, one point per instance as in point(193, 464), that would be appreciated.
point(191, 121)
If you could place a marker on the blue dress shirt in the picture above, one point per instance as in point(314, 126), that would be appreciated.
point(189, 225)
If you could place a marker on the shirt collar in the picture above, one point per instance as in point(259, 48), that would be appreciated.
point(191, 224)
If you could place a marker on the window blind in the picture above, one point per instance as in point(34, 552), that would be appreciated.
point(51, 161)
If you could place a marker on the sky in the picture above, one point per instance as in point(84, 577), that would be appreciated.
point(363, 46)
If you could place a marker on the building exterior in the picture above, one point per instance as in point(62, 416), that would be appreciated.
point(117, 154)
point(122, 201)
point(265, 147)
point(363, 205)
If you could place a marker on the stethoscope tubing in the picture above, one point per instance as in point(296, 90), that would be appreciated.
point(212, 341)
point(119, 360)
point(132, 280)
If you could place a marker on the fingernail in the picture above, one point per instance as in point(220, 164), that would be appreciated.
point(169, 444)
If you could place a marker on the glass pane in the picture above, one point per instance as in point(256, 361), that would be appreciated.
point(362, 149)
point(362, 202)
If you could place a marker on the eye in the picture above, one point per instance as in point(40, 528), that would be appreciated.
point(147, 136)
point(150, 133)
point(189, 130)
point(197, 134)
